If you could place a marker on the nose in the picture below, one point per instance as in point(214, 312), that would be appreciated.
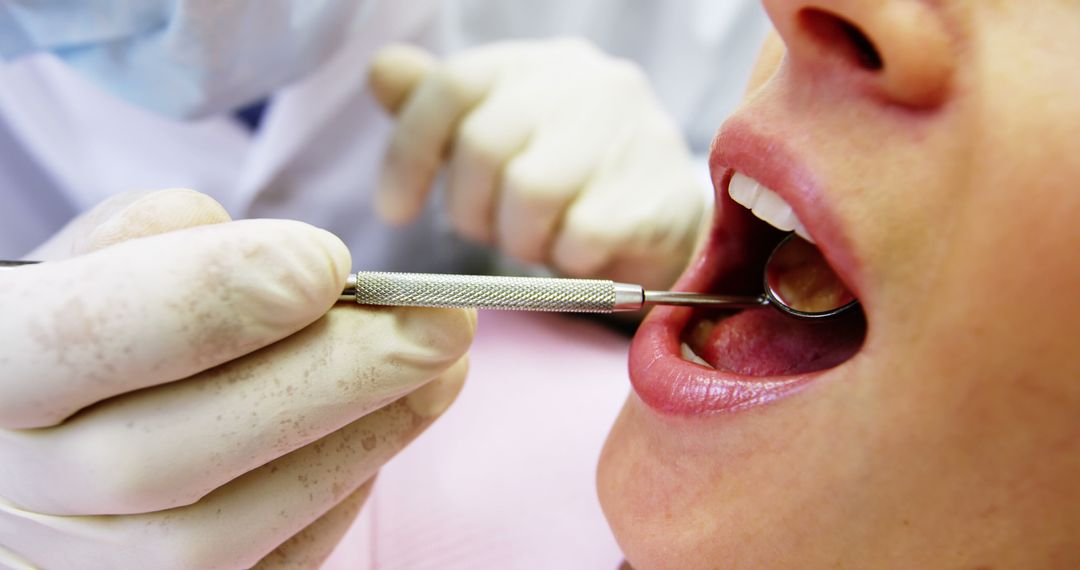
point(901, 50)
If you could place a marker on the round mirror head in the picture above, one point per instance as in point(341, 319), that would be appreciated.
point(799, 282)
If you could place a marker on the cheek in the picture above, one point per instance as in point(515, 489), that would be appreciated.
point(890, 174)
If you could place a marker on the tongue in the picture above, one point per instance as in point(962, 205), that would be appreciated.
point(765, 342)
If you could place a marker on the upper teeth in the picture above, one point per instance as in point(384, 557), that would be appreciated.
point(765, 204)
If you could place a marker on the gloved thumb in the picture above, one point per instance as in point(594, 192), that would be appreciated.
point(132, 215)
point(395, 72)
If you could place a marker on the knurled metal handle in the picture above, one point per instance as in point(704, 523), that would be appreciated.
point(485, 292)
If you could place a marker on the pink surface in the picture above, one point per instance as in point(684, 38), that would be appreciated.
point(505, 479)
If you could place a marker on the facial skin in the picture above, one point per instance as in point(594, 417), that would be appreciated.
point(952, 439)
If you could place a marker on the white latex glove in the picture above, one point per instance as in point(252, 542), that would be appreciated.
point(557, 154)
point(184, 399)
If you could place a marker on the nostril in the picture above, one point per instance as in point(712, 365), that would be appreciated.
point(837, 35)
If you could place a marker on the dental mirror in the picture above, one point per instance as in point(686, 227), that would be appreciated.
point(799, 282)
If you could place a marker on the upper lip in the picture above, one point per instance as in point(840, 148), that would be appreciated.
point(661, 377)
point(770, 162)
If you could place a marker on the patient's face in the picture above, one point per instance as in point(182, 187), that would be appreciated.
point(932, 150)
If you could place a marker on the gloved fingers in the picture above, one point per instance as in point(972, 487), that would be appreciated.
point(537, 187)
point(11, 559)
point(61, 245)
point(154, 213)
point(486, 141)
point(236, 525)
point(157, 309)
point(309, 548)
point(395, 72)
point(424, 129)
point(652, 255)
point(648, 242)
point(131, 215)
point(231, 419)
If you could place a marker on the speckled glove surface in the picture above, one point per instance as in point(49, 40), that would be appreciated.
point(175, 394)
point(556, 154)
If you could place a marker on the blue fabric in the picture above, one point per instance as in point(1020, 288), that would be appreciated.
point(183, 58)
point(13, 42)
point(251, 116)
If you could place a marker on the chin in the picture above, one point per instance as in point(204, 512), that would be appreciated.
point(646, 503)
point(692, 493)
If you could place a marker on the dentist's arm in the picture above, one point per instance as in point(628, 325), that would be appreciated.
point(191, 403)
point(556, 154)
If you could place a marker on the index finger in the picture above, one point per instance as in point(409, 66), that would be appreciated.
point(155, 310)
point(426, 123)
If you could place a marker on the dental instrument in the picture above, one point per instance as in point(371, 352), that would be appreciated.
point(797, 281)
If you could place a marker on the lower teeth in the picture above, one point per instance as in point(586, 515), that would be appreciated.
point(689, 354)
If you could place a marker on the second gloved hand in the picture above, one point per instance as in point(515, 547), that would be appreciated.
point(557, 154)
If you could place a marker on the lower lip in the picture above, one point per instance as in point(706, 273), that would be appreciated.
point(669, 384)
point(672, 385)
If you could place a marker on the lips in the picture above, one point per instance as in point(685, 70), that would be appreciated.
point(690, 362)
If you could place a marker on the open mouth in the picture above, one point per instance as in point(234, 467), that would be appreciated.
point(699, 361)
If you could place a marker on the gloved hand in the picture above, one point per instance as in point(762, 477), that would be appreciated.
point(185, 400)
point(557, 154)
